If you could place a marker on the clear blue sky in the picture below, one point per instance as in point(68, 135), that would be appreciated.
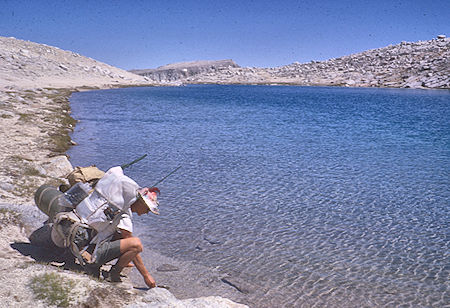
point(146, 34)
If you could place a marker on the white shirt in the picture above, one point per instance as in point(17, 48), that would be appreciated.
point(126, 223)
point(91, 212)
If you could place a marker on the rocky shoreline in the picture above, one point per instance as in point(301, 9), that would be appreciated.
point(35, 84)
point(419, 65)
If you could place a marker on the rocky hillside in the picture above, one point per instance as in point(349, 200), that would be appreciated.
point(407, 65)
point(180, 71)
point(30, 65)
point(424, 64)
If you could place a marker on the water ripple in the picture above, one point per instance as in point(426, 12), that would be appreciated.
point(316, 197)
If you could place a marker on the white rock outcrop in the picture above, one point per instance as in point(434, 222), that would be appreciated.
point(424, 64)
point(171, 73)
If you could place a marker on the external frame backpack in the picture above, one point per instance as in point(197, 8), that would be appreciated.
point(69, 232)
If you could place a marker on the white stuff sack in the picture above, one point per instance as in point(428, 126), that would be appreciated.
point(117, 188)
point(113, 189)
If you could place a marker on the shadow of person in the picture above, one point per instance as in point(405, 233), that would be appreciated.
point(40, 254)
point(42, 249)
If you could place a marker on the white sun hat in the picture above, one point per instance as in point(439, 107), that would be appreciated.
point(150, 198)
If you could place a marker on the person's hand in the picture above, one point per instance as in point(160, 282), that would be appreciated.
point(149, 281)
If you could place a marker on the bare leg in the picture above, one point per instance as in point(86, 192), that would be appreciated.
point(129, 249)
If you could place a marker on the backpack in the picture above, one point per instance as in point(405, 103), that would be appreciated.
point(69, 232)
point(113, 194)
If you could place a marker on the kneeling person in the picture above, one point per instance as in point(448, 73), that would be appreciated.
point(122, 244)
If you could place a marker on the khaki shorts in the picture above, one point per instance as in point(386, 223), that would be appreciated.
point(107, 251)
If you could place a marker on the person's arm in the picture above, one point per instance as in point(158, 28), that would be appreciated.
point(149, 281)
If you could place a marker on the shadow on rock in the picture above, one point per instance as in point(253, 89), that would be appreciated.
point(40, 254)
point(42, 249)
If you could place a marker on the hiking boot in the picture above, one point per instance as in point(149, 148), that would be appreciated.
point(114, 275)
point(93, 270)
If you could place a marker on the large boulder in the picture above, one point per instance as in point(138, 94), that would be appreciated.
point(58, 166)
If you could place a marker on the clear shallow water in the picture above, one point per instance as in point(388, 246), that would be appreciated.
point(312, 196)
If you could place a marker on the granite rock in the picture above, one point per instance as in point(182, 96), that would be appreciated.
point(161, 298)
point(426, 61)
point(176, 71)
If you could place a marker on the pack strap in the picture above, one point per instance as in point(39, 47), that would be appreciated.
point(69, 237)
point(42, 194)
point(76, 252)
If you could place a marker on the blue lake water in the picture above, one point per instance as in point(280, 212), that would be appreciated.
point(312, 196)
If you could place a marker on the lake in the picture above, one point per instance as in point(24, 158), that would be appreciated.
point(310, 195)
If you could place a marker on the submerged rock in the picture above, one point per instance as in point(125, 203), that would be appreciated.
point(237, 284)
point(167, 268)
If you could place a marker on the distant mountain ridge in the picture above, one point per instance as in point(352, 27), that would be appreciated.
point(423, 64)
point(182, 70)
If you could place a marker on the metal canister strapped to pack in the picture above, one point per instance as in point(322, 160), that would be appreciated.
point(51, 201)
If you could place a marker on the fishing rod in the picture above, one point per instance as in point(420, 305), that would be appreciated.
point(133, 162)
point(171, 172)
point(141, 158)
